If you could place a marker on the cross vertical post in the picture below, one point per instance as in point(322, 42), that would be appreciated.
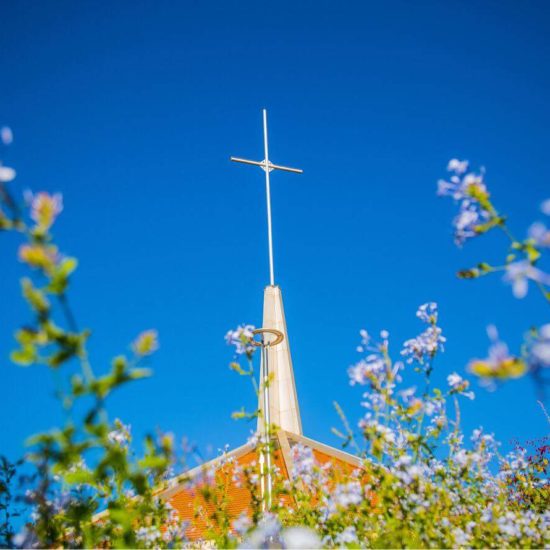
point(267, 166)
point(268, 195)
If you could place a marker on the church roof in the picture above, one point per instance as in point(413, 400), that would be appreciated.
point(186, 493)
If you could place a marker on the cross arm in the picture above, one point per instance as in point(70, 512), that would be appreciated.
point(272, 166)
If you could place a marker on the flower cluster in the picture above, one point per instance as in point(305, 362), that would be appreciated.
point(423, 347)
point(476, 213)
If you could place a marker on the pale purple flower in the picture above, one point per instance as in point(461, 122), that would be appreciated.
point(428, 313)
point(347, 536)
point(348, 494)
point(303, 463)
point(469, 216)
point(508, 525)
point(385, 433)
point(266, 533)
point(539, 351)
point(458, 166)
point(369, 370)
point(6, 135)
point(519, 273)
point(424, 346)
point(545, 207)
point(454, 380)
point(148, 535)
point(459, 385)
point(241, 338)
point(120, 435)
point(539, 233)
point(464, 188)
point(241, 524)
point(460, 537)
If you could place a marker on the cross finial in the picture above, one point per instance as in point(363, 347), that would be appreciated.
point(267, 166)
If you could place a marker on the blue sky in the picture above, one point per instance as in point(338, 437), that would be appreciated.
point(132, 109)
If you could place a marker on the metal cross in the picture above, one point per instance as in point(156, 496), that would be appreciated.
point(267, 166)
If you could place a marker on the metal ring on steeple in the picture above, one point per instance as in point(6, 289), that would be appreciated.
point(279, 337)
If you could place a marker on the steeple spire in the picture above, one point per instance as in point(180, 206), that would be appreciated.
point(284, 411)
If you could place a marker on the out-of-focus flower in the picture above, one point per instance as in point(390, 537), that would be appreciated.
point(545, 207)
point(6, 135)
point(300, 538)
point(241, 524)
point(39, 256)
point(374, 429)
point(519, 273)
point(148, 535)
point(6, 174)
point(459, 385)
point(467, 221)
point(348, 494)
point(146, 343)
point(45, 208)
point(460, 537)
point(458, 166)
point(120, 435)
point(539, 349)
point(500, 364)
point(540, 234)
point(475, 210)
point(428, 313)
point(267, 532)
point(303, 463)
point(424, 346)
point(347, 536)
point(369, 370)
point(241, 338)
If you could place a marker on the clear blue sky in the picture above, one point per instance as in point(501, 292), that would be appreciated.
point(132, 109)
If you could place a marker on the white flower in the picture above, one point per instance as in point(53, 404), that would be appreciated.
point(6, 174)
point(540, 234)
point(454, 380)
point(300, 537)
point(347, 536)
point(457, 166)
point(519, 273)
point(545, 207)
point(265, 534)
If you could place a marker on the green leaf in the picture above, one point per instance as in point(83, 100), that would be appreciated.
point(24, 357)
point(137, 374)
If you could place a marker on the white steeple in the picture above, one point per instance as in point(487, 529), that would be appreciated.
point(283, 402)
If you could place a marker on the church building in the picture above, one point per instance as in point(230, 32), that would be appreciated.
point(279, 428)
